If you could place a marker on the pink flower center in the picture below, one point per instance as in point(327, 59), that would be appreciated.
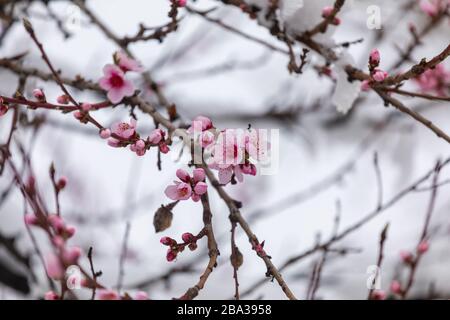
point(116, 81)
point(184, 191)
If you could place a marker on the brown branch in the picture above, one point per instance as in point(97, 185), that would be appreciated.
point(235, 214)
point(213, 251)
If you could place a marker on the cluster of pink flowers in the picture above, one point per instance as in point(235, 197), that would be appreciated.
point(189, 240)
point(189, 187)
point(232, 153)
point(124, 134)
point(434, 7)
point(377, 75)
point(114, 80)
point(435, 80)
point(326, 12)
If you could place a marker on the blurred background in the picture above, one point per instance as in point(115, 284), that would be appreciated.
point(326, 158)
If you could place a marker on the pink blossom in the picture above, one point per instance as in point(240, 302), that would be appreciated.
point(115, 83)
point(141, 295)
point(203, 123)
point(50, 295)
point(105, 133)
point(63, 99)
point(3, 109)
point(126, 63)
point(124, 130)
point(433, 7)
point(189, 187)
point(423, 247)
point(435, 80)
point(379, 75)
point(107, 294)
point(396, 287)
point(54, 267)
point(179, 191)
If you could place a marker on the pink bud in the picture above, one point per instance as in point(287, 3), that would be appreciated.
point(105, 133)
point(182, 3)
point(248, 169)
point(70, 231)
point(406, 256)
point(140, 145)
point(63, 99)
point(188, 237)
point(396, 287)
point(86, 107)
point(423, 247)
point(374, 57)
point(107, 294)
point(54, 267)
point(3, 109)
point(113, 142)
point(205, 122)
point(199, 175)
point(163, 148)
point(38, 94)
point(365, 85)
point(58, 241)
point(200, 188)
point(156, 136)
point(78, 115)
point(171, 255)
point(72, 254)
point(141, 295)
point(379, 75)
point(326, 11)
point(167, 241)
point(62, 182)
point(378, 295)
point(50, 295)
point(31, 219)
point(56, 222)
point(183, 175)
